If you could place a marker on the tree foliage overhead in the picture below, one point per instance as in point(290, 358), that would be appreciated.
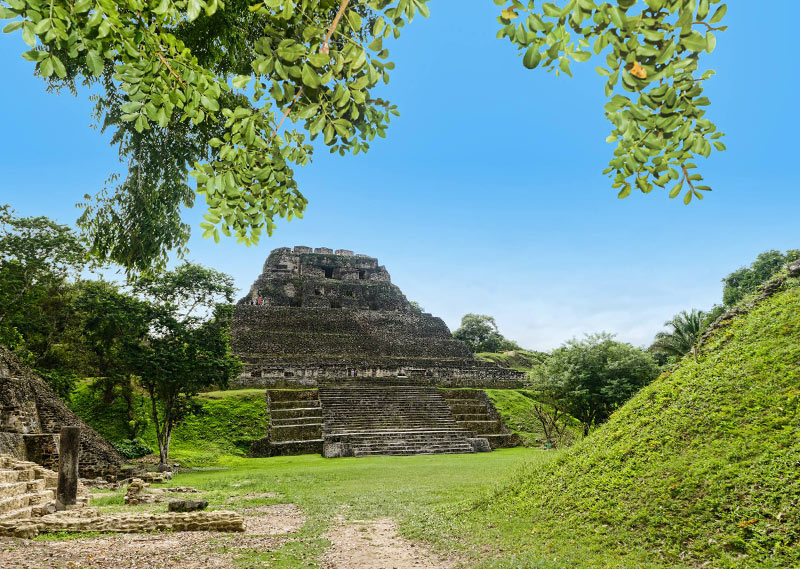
point(205, 87)
point(652, 50)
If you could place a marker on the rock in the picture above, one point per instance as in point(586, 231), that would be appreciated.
point(187, 505)
point(480, 445)
point(135, 494)
point(794, 268)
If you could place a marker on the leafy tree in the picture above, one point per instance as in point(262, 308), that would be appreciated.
point(588, 379)
point(652, 50)
point(685, 330)
point(188, 346)
point(112, 326)
point(479, 332)
point(203, 88)
point(745, 280)
point(36, 256)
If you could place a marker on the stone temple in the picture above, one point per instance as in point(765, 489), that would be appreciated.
point(352, 368)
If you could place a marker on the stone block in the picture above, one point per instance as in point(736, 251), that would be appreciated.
point(187, 505)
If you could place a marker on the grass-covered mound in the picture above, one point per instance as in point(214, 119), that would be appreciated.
point(700, 469)
point(520, 360)
point(226, 423)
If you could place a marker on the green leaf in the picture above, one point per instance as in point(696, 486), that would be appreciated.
point(354, 19)
point(711, 42)
point(241, 81)
point(719, 14)
point(12, 27)
point(28, 35)
point(94, 62)
point(310, 77)
point(532, 57)
point(209, 103)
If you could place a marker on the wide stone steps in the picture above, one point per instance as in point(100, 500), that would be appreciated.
point(473, 410)
point(390, 420)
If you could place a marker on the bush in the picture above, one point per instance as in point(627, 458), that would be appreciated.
point(135, 448)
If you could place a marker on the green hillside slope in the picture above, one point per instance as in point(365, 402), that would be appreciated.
point(700, 469)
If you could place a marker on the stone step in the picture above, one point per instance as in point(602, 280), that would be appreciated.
point(294, 404)
point(10, 489)
point(492, 426)
point(296, 421)
point(25, 500)
point(7, 476)
point(20, 514)
point(472, 417)
point(276, 395)
point(298, 412)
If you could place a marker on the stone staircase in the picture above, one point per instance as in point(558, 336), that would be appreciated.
point(26, 489)
point(390, 420)
point(295, 424)
point(474, 411)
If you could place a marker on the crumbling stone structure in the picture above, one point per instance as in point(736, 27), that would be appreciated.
point(31, 418)
point(353, 369)
point(313, 316)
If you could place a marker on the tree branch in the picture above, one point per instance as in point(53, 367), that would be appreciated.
point(326, 44)
point(165, 62)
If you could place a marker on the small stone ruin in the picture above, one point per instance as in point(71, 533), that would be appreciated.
point(31, 418)
point(28, 507)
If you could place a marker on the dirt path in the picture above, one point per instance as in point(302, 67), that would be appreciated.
point(268, 527)
point(375, 544)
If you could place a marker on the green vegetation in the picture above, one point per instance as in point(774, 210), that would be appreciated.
point(699, 469)
point(746, 280)
point(520, 360)
point(223, 425)
point(588, 379)
point(649, 49)
point(403, 488)
point(479, 332)
point(516, 408)
point(215, 114)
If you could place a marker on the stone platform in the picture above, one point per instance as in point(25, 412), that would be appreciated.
point(365, 420)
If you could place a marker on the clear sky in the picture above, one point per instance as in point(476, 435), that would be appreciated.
point(487, 195)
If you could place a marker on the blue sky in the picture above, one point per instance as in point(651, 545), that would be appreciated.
point(487, 195)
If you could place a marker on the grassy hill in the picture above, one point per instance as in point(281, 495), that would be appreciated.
point(700, 469)
point(227, 423)
point(520, 360)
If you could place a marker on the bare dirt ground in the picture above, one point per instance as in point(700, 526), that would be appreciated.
point(179, 550)
point(375, 544)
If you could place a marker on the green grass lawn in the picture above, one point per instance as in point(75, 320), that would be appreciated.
point(405, 489)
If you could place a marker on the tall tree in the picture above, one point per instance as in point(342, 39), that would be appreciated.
point(745, 280)
point(188, 348)
point(36, 256)
point(685, 330)
point(652, 50)
point(480, 333)
point(204, 88)
point(588, 379)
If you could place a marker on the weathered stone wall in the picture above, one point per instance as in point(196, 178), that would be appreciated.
point(31, 415)
point(314, 316)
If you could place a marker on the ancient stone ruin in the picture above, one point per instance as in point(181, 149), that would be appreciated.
point(31, 418)
point(353, 369)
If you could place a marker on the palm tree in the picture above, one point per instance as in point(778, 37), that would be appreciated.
point(686, 329)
